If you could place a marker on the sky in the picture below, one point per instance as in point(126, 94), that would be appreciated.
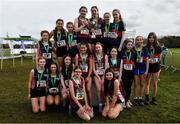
point(29, 17)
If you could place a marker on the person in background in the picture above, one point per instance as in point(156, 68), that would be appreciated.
point(164, 53)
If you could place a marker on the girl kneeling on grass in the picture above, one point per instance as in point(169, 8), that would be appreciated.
point(37, 86)
point(53, 94)
point(78, 98)
point(113, 95)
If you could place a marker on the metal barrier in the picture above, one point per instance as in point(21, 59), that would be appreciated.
point(175, 66)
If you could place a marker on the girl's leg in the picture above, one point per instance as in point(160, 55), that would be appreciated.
point(105, 111)
point(89, 91)
point(43, 103)
point(148, 80)
point(136, 88)
point(113, 113)
point(83, 115)
point(50, 100)
point(35, 105)
point(98, 89)
point(57, 100)
point(59, 60)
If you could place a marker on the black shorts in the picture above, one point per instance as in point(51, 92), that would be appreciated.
point(95, 40)
point(53, 94)
point(83, 39)
point(61, 51)
point(154, 68)
point(48, 63)
point(73, 51)
point(38, 92)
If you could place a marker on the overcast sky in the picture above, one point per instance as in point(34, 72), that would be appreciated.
point(29, 17)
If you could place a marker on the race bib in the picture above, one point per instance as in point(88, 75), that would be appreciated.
point(84, 67)
point(79, 94)
point(113, 35)
point(47, 55)
point(41, 83)
point(100, 70)
point(140, 60)
point(106, 34)
point(74, 43)
point(85, 31)
point(98, 32)
point(116, 73)
point(153, 60)
point(53, 90)
point(61, 43)
point(66, 82)
point(128, 67)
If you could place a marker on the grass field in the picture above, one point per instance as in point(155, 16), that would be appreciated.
point(14, 106)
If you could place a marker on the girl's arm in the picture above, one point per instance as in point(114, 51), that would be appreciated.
point(29, 83)
point(120, 72)
point(71, 89)
point(122, 41)
point(85, 96)
point(37, 53)
point(94, 69)
point(90, 67)
point(106, 62)
point(76, 60)
point(76, 28)
point(115, 94)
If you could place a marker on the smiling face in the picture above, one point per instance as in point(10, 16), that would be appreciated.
point(114, 52)
point(116, 15)
point(70, 27)
point(45, 36)
point(94, 12)
point(109, 76)
point(59, 24)
point(41, 62)
point(98, 48)
point(151, 39)
point(129, 45)
point(107, 17)
point(83, 12)
point(67, 60)
point(83, 48)
point(77, 73)
point(139, 41)
point(53, 68)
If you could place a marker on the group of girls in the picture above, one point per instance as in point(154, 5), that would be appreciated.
point(91, 51)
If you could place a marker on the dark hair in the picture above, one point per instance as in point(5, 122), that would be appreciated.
point(70, 68)
point(63, 31)
point(86, 44)
point(77, 67)
point(95, 7)
point(108, 85)
point(120, 17)
point(82, 7)
point(155, 43)
point(70, 23)
point(57, 69)
point(126, 41)
point(44, 31)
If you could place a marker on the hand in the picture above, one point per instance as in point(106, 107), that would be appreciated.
point(85, 22)
point(99, 79)
point(119, 49)
point(87, 79)
point(81, 110)
point(29, 97)
point(145, 74)
point(88, 108)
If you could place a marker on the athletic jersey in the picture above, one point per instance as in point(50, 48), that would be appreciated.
point(84, 63)
point(141, 58)
point(120, 96)
point(67, 76)
point(118, 28)
point(96, 25)
point(115, 65)
point(84, 33)
point(71, 40)
point(99, 64)
point(45, 50)
point(39, 80)
point(54, 84)
point(107, 29)
point(60, 39)
point(78, 91)
point(154, 55)
point(129, 59)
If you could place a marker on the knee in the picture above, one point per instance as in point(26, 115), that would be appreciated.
point(35, 109)
point(111, 116)
point(50, 101)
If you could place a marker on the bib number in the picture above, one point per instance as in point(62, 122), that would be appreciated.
point(110, 34)
point(61, 43)
point(97, 32)
point(53, 90)
point(153, 60)
point(140, 60)
point(79, 94)
point(84, 67)
point(85, 31)
point(66, 82)
point(41, 84)
point(74, 43)
point(128, 67)
point(47, 55)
